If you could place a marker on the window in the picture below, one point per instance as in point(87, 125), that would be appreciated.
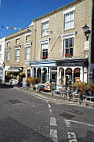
point(8, 44)
point(44, 50)
point(18, 41)
point(0, 47)
point(68, 47)
point(28, 37)
point(27, 53)
point(17, 55)
point(69, 20)
point(7, 55)
point(45, 28)
point(0, 56)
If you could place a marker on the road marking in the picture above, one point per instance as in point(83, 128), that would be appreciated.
point(71, 135)
point(49, 105)
point(68, 124)
point(83, 123)
point(73, 140)
point(50, 110)
point(53, 121)
point(53, 135)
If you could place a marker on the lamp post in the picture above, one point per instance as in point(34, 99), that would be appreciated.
point(86, 31)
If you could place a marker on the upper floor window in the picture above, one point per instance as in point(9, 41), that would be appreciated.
point(45, 28)
point(27, 53)
point(18, 41)
point(44, 50)
point(69, 20)
point(28, 37)
point(68, 47)
point(8, 44)
point(8, 55)
point(17, 55)
point(0, 47)
point(0, 56)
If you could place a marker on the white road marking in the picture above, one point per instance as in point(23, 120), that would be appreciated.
point(50, 110)
point(53, 135)
point(83, 123)
point(73, 140)
point(49, 105)
point(53, 121)
point(68, 124)
point(71, 135)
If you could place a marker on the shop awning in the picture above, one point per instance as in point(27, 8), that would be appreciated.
point(16, 69)
point(47, 63)
point(73, 62)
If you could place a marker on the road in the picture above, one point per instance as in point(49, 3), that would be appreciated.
point(24, 117)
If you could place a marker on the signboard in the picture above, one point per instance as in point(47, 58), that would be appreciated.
point(86, 45)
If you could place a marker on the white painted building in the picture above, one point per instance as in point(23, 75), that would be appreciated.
point(2, 64)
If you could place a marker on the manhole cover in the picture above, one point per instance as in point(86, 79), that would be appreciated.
point(14, 101)
point(66, 115)
point(76, 111)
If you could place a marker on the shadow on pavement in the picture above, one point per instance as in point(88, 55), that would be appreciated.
point(5, 86)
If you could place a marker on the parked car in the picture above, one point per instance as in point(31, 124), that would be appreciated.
point(13, 81)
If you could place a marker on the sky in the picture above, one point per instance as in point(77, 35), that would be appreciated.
point(21, 13)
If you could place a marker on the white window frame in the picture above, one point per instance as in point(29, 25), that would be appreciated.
point(17, 56)
point(27, 54)
point(44, 48)
point(69, 21)
point(0, 47)
point(26, 45)
point(67, 36)
point(8, 55)
point(45, 31)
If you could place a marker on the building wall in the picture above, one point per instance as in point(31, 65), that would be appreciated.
point(83, 15)
point(2, 43)
point(12, 38)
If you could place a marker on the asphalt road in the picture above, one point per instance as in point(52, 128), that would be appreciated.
point(24, 117)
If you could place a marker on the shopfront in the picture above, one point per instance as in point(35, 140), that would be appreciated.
point(1, 73)
point(61, 72)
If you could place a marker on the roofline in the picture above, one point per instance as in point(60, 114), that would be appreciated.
point(61, 8)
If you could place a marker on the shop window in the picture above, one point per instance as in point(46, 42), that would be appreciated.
point(28, 73)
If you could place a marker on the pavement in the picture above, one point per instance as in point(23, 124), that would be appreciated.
point(57, 98)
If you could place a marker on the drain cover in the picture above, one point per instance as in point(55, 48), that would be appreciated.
point(66, 115)
point(14, 101)
point(76, 111)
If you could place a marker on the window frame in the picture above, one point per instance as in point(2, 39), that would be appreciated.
point(27, 53)
point(44, 32)
point(17, 56)
point(7, 56)
point(44, 48)
point(0, 47)
point(70, 21)
point(68, 55)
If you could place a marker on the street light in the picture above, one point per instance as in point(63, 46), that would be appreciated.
point(86, 31)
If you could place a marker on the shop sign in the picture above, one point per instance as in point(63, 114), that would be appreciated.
point(86, 45)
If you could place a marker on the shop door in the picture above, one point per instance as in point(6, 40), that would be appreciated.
point(53, 81)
